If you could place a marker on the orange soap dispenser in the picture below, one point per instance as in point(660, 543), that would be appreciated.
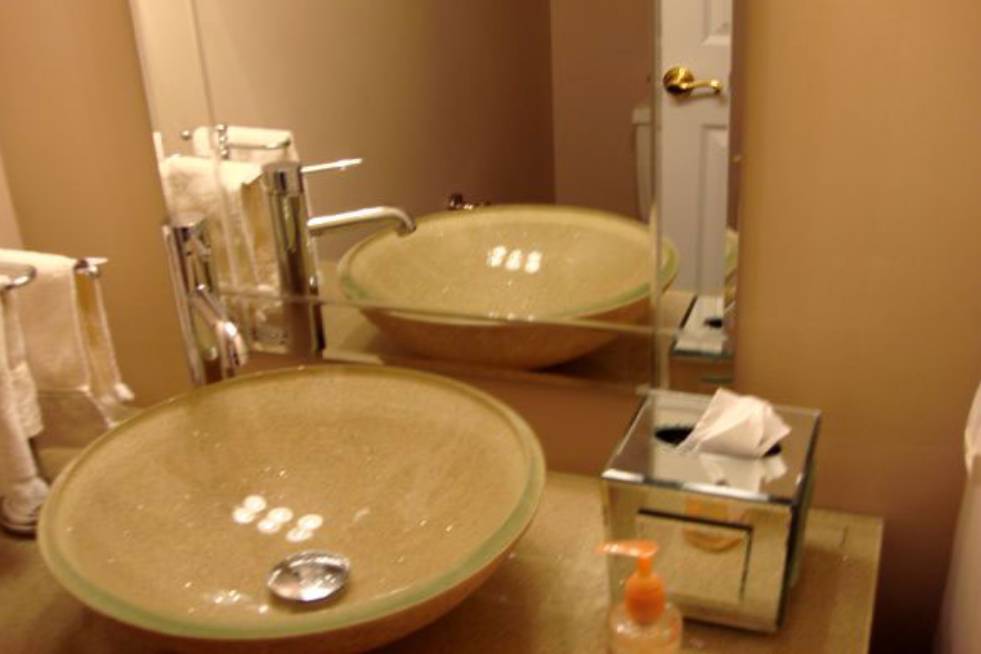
point(645, 622)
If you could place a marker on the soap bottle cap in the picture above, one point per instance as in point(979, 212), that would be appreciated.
point(643, 594)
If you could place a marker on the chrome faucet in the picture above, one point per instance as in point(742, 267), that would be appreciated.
point(404, 223)
point(211, 358)
point(283, 182)
point(230, 351)
point(214, 344)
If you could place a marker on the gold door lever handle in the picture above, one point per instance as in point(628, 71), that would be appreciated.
point(680, 82)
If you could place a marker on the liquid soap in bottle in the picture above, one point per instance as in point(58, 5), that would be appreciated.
point(645, 622)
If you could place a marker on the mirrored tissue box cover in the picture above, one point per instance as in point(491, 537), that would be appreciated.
point(730, 529)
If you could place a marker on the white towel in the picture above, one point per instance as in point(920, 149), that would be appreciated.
point(158, 146)
point(68, 342)
point(959, 631)
point(21, 486)
point(204, 143)
point(107, 385)
point(227, 199)
point(23, 388)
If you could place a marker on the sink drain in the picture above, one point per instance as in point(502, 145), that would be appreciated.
point(310, 576)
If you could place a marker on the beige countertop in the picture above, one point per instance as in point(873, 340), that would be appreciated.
point(549, 596)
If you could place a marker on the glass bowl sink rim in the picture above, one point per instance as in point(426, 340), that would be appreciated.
point(667, 273)
point(315, 622)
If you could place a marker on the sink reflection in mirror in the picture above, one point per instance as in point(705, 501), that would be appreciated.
point(543, 263)
point(525, 108)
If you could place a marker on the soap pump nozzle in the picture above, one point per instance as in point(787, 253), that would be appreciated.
point(643, 594)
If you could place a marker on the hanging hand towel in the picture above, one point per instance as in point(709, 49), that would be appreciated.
point(68, 342)
point(23, 388)
point(21, 487)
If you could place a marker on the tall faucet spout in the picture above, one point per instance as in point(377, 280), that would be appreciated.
point(404, 223)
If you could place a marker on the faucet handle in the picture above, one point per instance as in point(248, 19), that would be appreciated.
point(286, 177)
point(339, 165)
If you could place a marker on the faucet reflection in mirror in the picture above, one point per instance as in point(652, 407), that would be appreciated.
point(221, 349)
point(213, 344)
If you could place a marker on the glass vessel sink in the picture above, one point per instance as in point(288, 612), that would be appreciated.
point(534, 262)
point(172, 521)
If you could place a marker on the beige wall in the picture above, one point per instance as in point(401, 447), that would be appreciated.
point(172, 73)
point(74, 132)
point(9, 231)
point(860, 274)
point(601, 59)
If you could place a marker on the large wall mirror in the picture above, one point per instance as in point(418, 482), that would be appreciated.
point(540, 147)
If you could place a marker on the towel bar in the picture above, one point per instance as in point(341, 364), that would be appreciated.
point(25, 274)
point(225, 146)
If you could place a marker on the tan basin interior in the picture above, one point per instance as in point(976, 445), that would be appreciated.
point(423, 482)
point(535, 262)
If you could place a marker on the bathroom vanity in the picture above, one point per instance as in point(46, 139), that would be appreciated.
point(549, 596)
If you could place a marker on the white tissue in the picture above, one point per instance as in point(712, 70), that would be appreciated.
point(717, 469)
point(736, 425)
point(747, 474)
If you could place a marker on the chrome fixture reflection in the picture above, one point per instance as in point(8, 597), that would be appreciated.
point(214, 343)
point(456, 202)
point(217, 351)
point(339, 165)
point(284, 185)
point(225, 145)
point(229, 351)
point(404, 223)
